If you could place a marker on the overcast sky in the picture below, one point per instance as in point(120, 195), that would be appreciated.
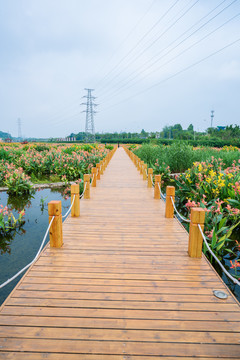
point(151, 64)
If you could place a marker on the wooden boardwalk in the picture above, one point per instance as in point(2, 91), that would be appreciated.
point(121, 287)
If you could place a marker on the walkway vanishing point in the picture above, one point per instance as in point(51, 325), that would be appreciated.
point(122, 286)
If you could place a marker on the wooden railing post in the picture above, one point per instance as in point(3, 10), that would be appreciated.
point(98, 171)
point(104, 164)
point(101, 167)
point(86, 178)
point(144, 171)
point(169, 210)
point(75, 211)
point(94, 177)
point(141, 167)
point(157, 187)
point(150, 175)
point(195, 236)
point(55, 232)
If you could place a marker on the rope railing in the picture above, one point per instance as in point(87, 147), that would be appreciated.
point(83, 191)
point(215, 257)
point(33, 261)
point(162, 195)
point(91, 179)
point(63, 216)
point(152, 180)
point(181, 217)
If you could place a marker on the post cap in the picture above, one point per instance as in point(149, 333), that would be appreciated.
point(74, 189)
point(170, 191)
point(86, 177)
point(54, 208)
point(157, 178)
point(197, 215)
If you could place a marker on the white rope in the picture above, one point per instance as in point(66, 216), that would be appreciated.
point(215, 257)
point(27, 266)
point(69, 208)
point(163, 196)
point(85, 186)
point(152, 180)
point(92, 179)
point(181, 217)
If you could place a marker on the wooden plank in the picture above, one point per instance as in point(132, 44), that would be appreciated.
point(165, 289)
point(148, 305)
point(54, 356)
point(125, 282)
point(199, 299)
point(119, 335)
point(119, 348)
point(122, 313)
point(119, 323)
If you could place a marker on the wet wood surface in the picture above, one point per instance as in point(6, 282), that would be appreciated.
point(121, 287)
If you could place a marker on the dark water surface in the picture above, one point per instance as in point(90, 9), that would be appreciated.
point(17, 252)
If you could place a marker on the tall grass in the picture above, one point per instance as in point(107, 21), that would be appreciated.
point(180, 156)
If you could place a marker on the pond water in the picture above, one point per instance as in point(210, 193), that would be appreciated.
point(18, 251)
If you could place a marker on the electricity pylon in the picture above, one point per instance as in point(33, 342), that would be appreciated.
point(19, 129)
point(90, 106)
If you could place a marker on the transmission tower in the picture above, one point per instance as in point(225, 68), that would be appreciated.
point(212, 116)
point(90, 106)
point(19, 129)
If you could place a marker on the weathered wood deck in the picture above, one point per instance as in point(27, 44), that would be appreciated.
point(122, 286)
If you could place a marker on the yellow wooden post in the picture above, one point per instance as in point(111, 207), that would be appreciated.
point(141, 167)
point(157, 187)
point(195, 236)
point(86, 178)
point(75, 211)
point(102, 167)
point(94, 177)
point(135, 160)
point(150, 176)
point(138, 163)
point(55, 232)
point(104, 164)
point(169, 209)
point(98, 171)
point(144, 171)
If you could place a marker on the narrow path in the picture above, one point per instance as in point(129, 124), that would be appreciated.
point(121, 287)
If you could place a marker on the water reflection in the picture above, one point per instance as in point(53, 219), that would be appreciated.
point(19, 203)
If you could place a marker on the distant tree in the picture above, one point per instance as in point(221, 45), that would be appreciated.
point(190, 128)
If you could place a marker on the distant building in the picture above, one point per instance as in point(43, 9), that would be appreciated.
point(221, 128)
point(8, 140)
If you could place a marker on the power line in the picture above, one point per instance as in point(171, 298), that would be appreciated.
point(154, 41)
point(186, 38)
point(141, 39)
point(127, 37)
point(170, 60)
point(177, 73)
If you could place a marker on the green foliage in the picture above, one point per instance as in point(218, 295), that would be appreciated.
point(109, 147)
point(41, 147)
point(18, 183)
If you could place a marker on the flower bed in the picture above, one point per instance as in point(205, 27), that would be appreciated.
point(22, 164)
